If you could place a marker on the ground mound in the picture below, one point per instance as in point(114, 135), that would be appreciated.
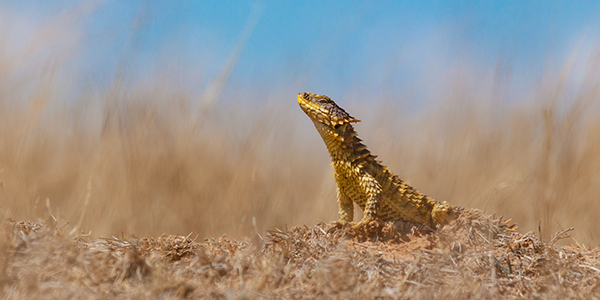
point(477, 256)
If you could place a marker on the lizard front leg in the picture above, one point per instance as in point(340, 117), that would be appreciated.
point(346, 211)
point(372, 190)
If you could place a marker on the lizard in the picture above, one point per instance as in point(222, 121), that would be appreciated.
point(361, 179)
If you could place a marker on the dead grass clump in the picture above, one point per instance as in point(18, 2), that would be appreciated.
point(473, 229)
point(41, 260)
point(377, 231)
point(171, 247)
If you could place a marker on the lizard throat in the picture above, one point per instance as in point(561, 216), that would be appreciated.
point(344, 145)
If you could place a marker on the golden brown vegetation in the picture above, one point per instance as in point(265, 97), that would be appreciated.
point(474, 257)
point(144, 160)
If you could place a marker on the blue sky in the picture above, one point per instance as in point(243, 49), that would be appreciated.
point(329, 47)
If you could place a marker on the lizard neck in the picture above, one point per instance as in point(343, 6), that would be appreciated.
point(344, 145)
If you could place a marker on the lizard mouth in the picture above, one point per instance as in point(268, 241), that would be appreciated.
point(305, 103)
point(312, 111)
point(310, 108)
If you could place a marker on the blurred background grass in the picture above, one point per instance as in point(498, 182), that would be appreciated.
point(148, 155)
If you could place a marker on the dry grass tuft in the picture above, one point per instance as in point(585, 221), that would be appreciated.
point(474, 257)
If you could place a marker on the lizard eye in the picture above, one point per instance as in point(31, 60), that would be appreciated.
point(305, 95)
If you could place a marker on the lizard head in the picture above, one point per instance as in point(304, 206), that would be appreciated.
point(321, 109)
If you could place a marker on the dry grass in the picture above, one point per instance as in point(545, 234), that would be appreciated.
point(147, 158)
point(475, 257)
point(144, 163)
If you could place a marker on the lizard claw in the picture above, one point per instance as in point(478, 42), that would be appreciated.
point(357, 226)
point(364, 223)
point(338, 224)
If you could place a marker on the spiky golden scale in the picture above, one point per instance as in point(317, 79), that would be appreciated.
point(361, 179)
